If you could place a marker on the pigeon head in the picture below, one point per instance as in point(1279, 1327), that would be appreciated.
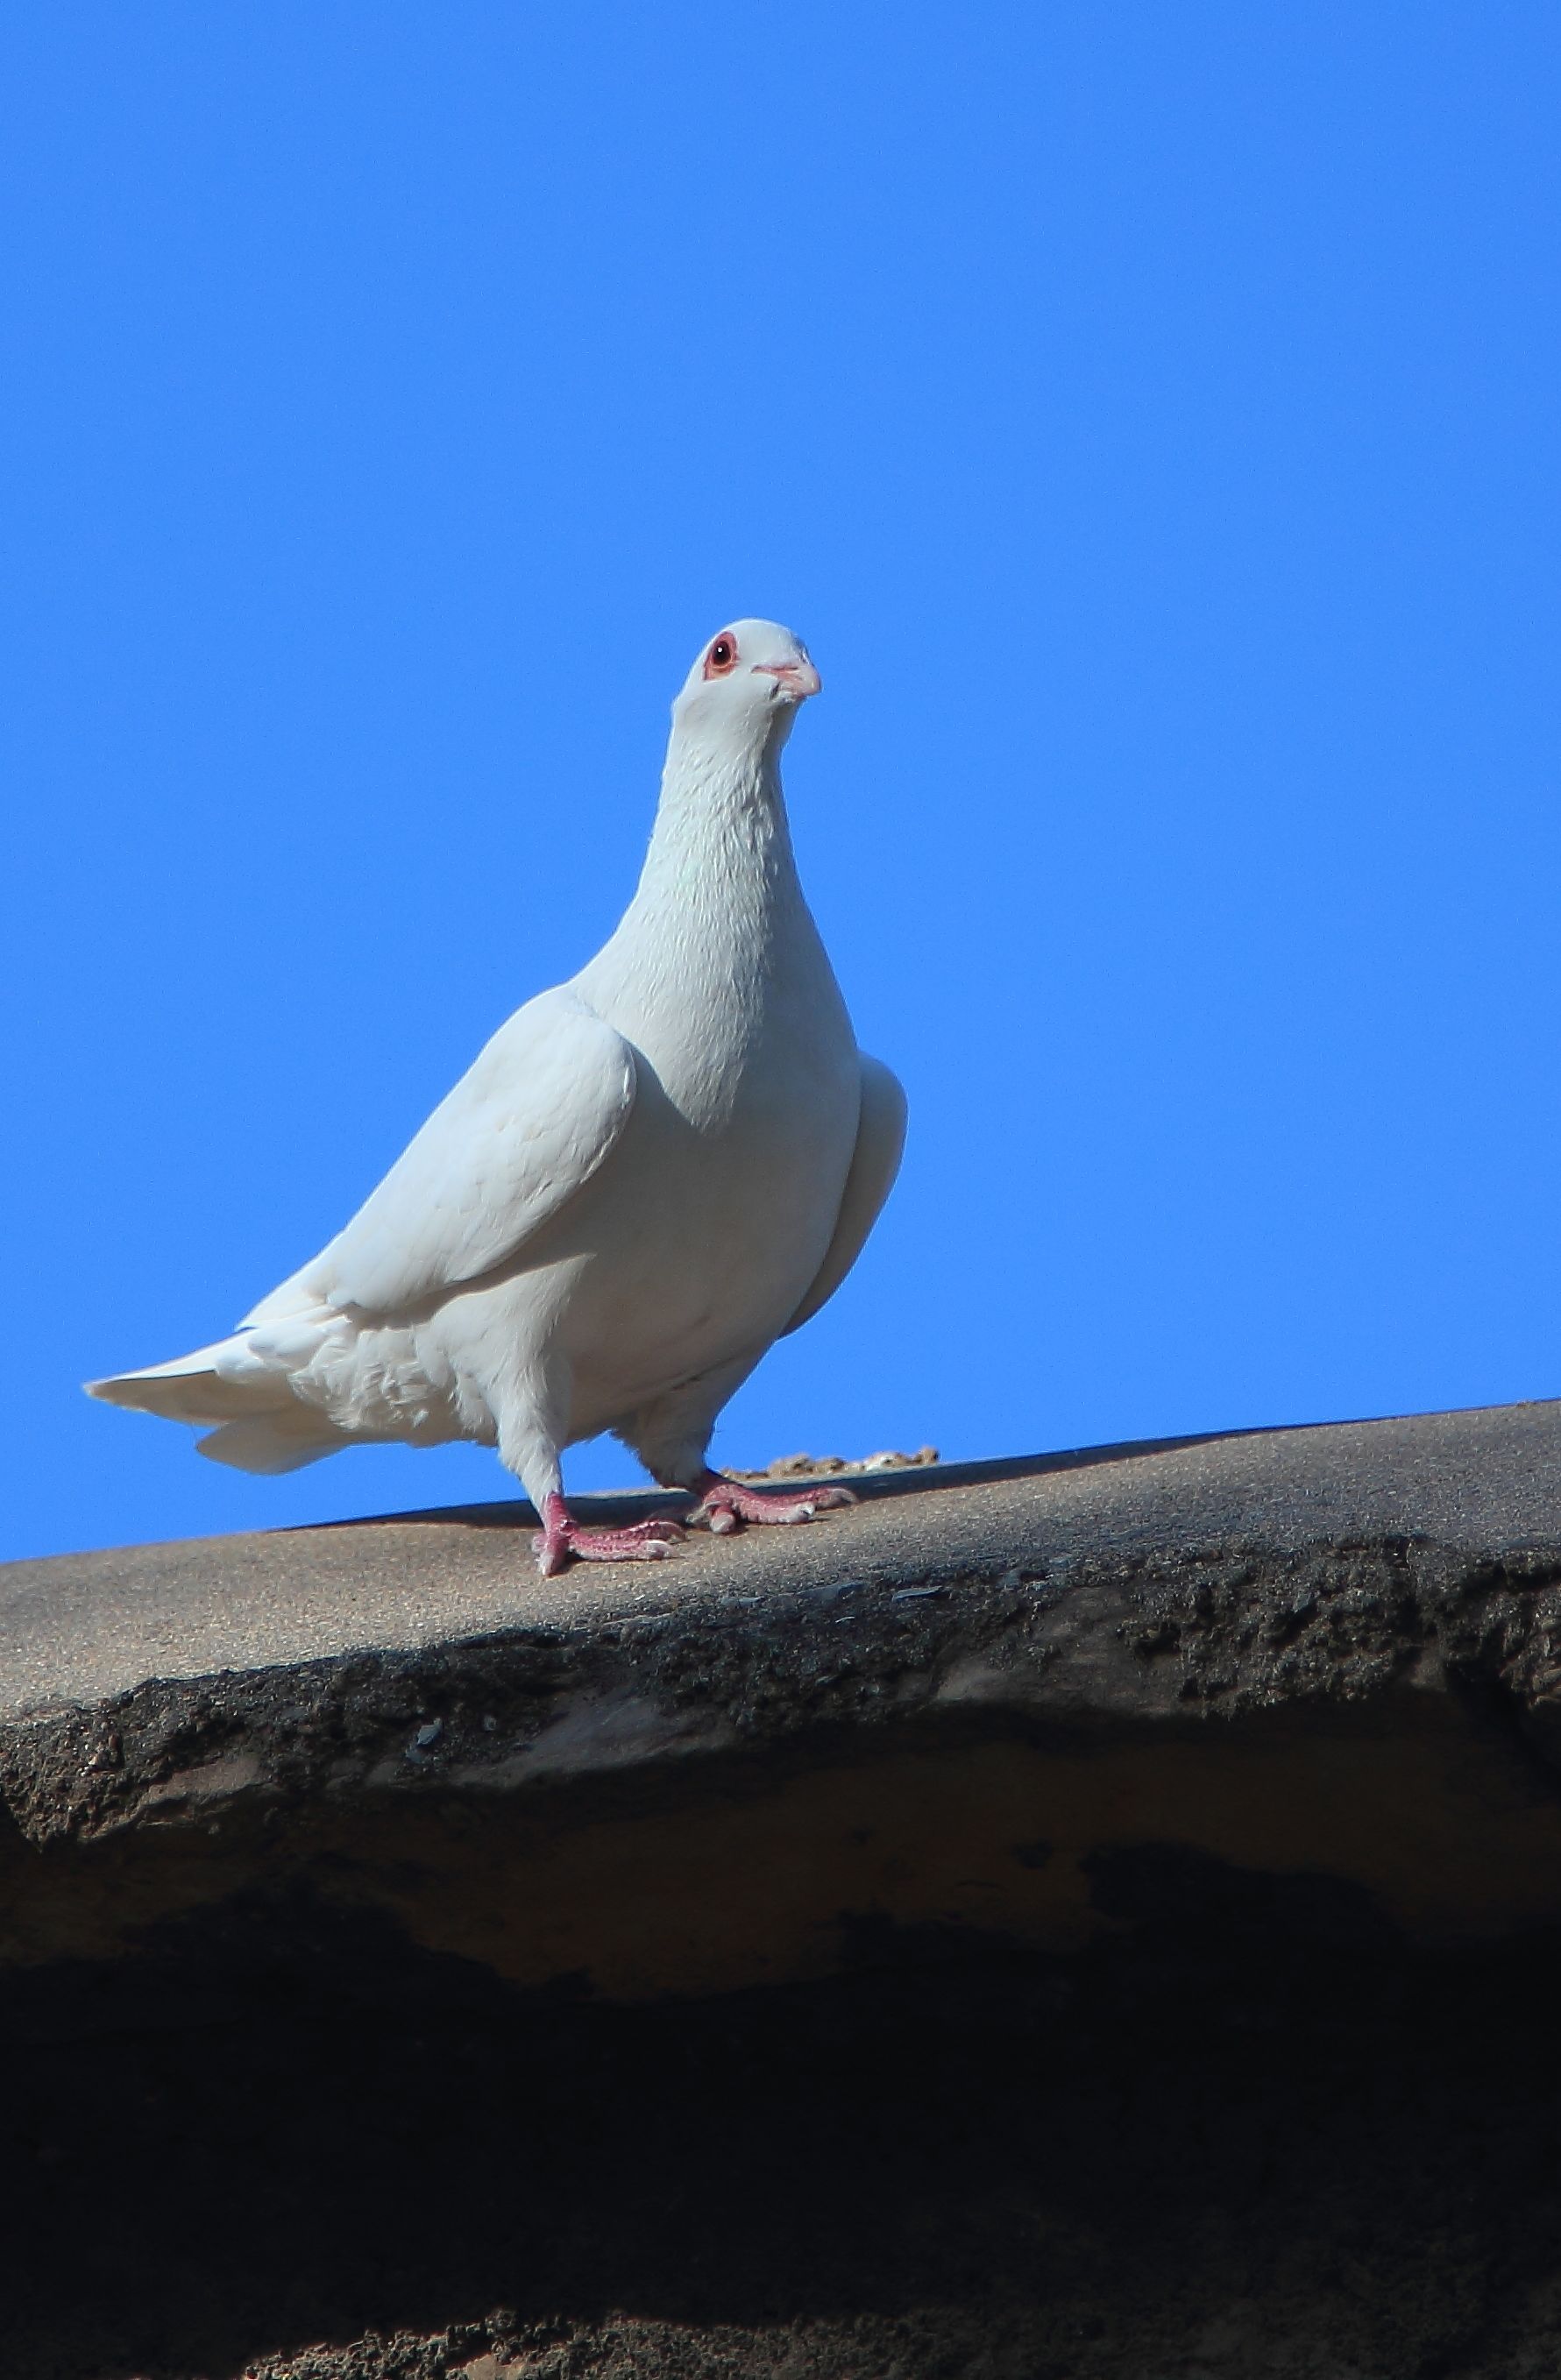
point(743, 691)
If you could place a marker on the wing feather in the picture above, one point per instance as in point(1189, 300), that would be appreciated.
point(526, 1127)
point(880, 1141)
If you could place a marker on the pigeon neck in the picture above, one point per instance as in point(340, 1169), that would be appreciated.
point(718, 918)
point(717, 949)
point(721, 834)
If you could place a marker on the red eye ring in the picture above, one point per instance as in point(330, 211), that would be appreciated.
point(722, 657)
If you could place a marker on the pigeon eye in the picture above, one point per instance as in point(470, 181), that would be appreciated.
point(721, 657)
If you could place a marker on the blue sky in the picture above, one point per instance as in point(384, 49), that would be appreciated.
point(1147, 414)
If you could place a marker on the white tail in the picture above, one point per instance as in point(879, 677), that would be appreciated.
point(261, 1424)
point(222, 1382)
point(274, 1442)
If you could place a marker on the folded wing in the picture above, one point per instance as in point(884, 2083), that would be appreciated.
point(523, 1130)
point(880, 1140)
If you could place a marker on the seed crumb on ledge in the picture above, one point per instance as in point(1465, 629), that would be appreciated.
point(827, 1466)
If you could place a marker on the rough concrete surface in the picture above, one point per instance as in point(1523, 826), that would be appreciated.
point(1088, 1916)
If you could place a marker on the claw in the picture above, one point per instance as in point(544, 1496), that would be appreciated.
point(724, 1505)
point(561, 1540)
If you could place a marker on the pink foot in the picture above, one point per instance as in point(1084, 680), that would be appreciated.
point(723, 1505)
point(561, 1540)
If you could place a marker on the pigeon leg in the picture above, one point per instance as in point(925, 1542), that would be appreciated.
point(724, 1505)
point(561, 1539)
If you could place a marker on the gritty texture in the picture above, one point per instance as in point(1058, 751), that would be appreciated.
point(1215, 1576)
point(80, 1627)
point(1171, 1638)
point(1154, 1855)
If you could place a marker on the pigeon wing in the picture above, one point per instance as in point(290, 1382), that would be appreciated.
point(529, 1123)
point(880, 1140)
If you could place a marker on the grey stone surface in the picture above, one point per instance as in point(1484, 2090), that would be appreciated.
point(1122, 1587)
point(1272, 1610)
point(80, 1628)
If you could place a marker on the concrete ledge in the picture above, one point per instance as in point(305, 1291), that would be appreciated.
point(1057, 1909)
point(1334, 1649)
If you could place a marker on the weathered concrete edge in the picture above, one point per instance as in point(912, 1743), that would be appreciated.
point(1178, 1640)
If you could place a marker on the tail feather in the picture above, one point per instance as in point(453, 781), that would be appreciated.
point(222, 1383)
point(243, 1386)
point(273, 1442)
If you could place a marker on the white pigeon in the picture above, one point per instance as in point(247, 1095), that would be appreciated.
point(647, 1177)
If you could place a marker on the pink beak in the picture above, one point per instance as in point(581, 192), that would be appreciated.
point(798, 680)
